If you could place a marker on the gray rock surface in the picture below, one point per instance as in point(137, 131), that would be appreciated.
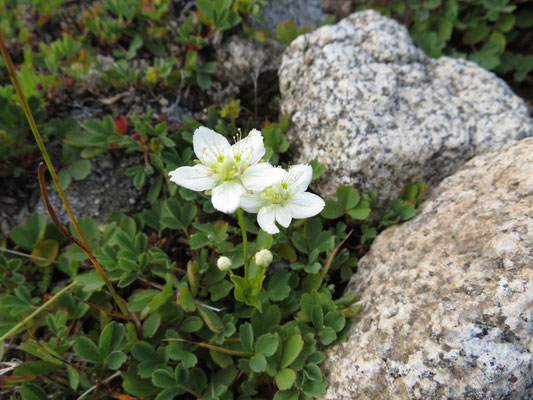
point(448, 295)
point(105, 190)
point(251, 65)
point(303, 12)
point(378, 113)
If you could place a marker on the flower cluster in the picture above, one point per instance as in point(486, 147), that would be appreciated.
point(237, 178)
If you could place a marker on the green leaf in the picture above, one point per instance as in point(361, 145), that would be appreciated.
point(315, 388)
point(160, 298)
point(285, 378)
point(318, 169)
point(137, 386)
point(299, 242)
point(191, 324)
point(266, 344)
point(292, 350)
point(31, 391)
point(73, 377)
point(151, 325)
point(278, 285)
point(143, 351)
point(317, 317)
point(291, 394)
point(211, 319)
point(477, 34)
point(246, 336)
point(335, 320)
point(507, 22)
point(407, 211)
point(221, 359)
point(177, 351)
point(80, 169)
point(203, 80)
point(347, 197)
point(90, 281)
point(64, 178)
point(163, 378)
point(86, 349)
point(111, 338)
point(185, 299)
point(332, 210)
point(258, 363)
point(116, 359)
point(327, 336)
point(169, 393)
point(220, 290)
point(31, 233)
point(90, 230)
point(316, 358)
point(198, 241)
point(155, 189)
point(361, 211)
point(264, 322)
point(38, 367)
point(498, 40)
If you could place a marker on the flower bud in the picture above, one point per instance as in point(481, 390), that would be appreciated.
point(224, 263)
point(263, 258)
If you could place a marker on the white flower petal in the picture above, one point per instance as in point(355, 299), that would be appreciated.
point(298, 178)
point(195, 178)
point(260, 176)
point(209, 145)
point(305, 205)
point(250, 149)
point(266, 218)
point(284, 215)
point(251, 202)
point(226, 196)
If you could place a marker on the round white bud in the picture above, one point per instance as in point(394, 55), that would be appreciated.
point(224, 263)
point(263, 258)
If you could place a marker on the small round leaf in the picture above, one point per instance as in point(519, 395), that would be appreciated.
point(285, 378)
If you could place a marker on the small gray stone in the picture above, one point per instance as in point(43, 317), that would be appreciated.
point(241, 59)
point(448, 295)
point(252, 65)
point(105, 190)
point(378, 113)
point(303, 12)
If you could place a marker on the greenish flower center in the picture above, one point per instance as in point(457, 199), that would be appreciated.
point(275, 194)
point(228, 168)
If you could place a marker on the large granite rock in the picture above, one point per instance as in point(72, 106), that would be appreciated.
point(378, 113)
point(448, 296)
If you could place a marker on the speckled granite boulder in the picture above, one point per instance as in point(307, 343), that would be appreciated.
point(448, 296)
point(378, 113)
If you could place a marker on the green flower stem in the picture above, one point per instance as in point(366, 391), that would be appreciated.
point(244, 241)
point(269, 242)
point(23, 323)
point(44, 152)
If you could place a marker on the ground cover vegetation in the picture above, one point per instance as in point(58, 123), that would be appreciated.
point(179, 300)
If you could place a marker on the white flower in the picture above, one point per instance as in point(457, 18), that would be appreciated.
point(263, 258)
point(228, 170)
point(224, 263)
point(284, 200)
